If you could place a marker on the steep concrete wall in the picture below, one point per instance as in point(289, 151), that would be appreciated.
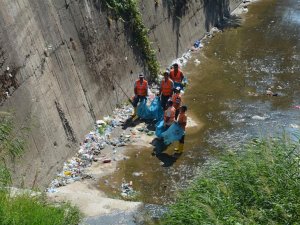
point(66, 59)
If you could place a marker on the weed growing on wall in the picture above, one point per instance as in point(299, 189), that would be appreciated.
point(261, 185)
point(128, 11)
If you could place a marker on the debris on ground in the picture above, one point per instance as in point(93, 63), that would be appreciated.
point(127, 190)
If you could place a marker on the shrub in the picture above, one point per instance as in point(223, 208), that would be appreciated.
point(261, 185)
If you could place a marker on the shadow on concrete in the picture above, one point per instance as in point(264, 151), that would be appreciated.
point(176, 10)
point(215, 12)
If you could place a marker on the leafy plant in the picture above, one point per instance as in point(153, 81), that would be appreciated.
point(11, 145)
point(128, 11)
point(261, 185)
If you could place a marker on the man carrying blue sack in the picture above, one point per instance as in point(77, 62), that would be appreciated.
point(140, 92)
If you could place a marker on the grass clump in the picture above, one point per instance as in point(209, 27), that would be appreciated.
point(261, 185)
point(128, 11)
point(24, 209)
point(27, 210)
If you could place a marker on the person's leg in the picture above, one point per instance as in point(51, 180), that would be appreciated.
point(181, 144)
point(134, 104)
point(163, 101)
point(179, 148)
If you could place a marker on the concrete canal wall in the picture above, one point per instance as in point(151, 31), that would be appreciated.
point(64, 57)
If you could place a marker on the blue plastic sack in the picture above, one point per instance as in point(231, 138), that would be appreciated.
point(153, 112)
point(156, 110)
point(143, 110)
point(174, 133)
point(159, 128)
point(197, 44)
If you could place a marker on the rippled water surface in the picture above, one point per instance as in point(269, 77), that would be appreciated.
point(227, 95)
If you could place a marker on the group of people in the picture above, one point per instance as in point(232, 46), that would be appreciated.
point(170, 99)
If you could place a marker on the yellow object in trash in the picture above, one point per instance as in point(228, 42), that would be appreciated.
point(67, 173)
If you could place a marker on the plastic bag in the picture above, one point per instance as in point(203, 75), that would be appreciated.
point(174, 133)
point(152, 112)
point(159, 128)
point(156, 110)
point(151, 95)
point(143, 110)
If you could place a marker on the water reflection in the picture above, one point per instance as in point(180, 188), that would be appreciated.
point(292, 13)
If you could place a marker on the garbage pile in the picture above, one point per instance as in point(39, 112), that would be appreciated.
point(94, 142)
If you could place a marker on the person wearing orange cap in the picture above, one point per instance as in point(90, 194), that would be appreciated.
point(182, 121)
point(169, 115)
point(176, 98)
point(140, 92)
point(166, 90)
point(176, 75)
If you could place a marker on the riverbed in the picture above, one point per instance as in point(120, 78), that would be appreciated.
point(246, 86)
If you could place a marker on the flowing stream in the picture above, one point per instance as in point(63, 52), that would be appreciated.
point(227, 97)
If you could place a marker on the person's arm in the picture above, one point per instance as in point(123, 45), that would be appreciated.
point(147, 93)
point(183, 123)
point(182, 76)
point(160, 88)
point(172, 87)
point(168, 116)
point(135, 91)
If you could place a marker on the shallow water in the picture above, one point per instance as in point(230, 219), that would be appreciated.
point(227, 95)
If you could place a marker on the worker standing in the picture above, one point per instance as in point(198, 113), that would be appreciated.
point(176, 98)
point(182, 121)
point(166, 90)
point(169, 115)
point(177, 76)
point(140, 92)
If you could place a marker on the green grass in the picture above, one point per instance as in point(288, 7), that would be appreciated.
point(26, 210)
point(261, 185)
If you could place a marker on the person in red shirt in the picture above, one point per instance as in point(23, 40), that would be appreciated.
point(176, 98)
point(140, 92)
point(177, 76)
point(165, 90)
point(182, 121)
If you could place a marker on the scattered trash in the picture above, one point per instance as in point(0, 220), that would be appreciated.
point(127, 190)
point(137, 174)
point(295, 126)
point(197, 62)
point(259, 117)
point(91, 146)
point(197, 45)
point(106, 160)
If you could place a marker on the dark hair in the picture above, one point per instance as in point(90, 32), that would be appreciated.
point(184, 108)
point(175, 64)
point(170, 102)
